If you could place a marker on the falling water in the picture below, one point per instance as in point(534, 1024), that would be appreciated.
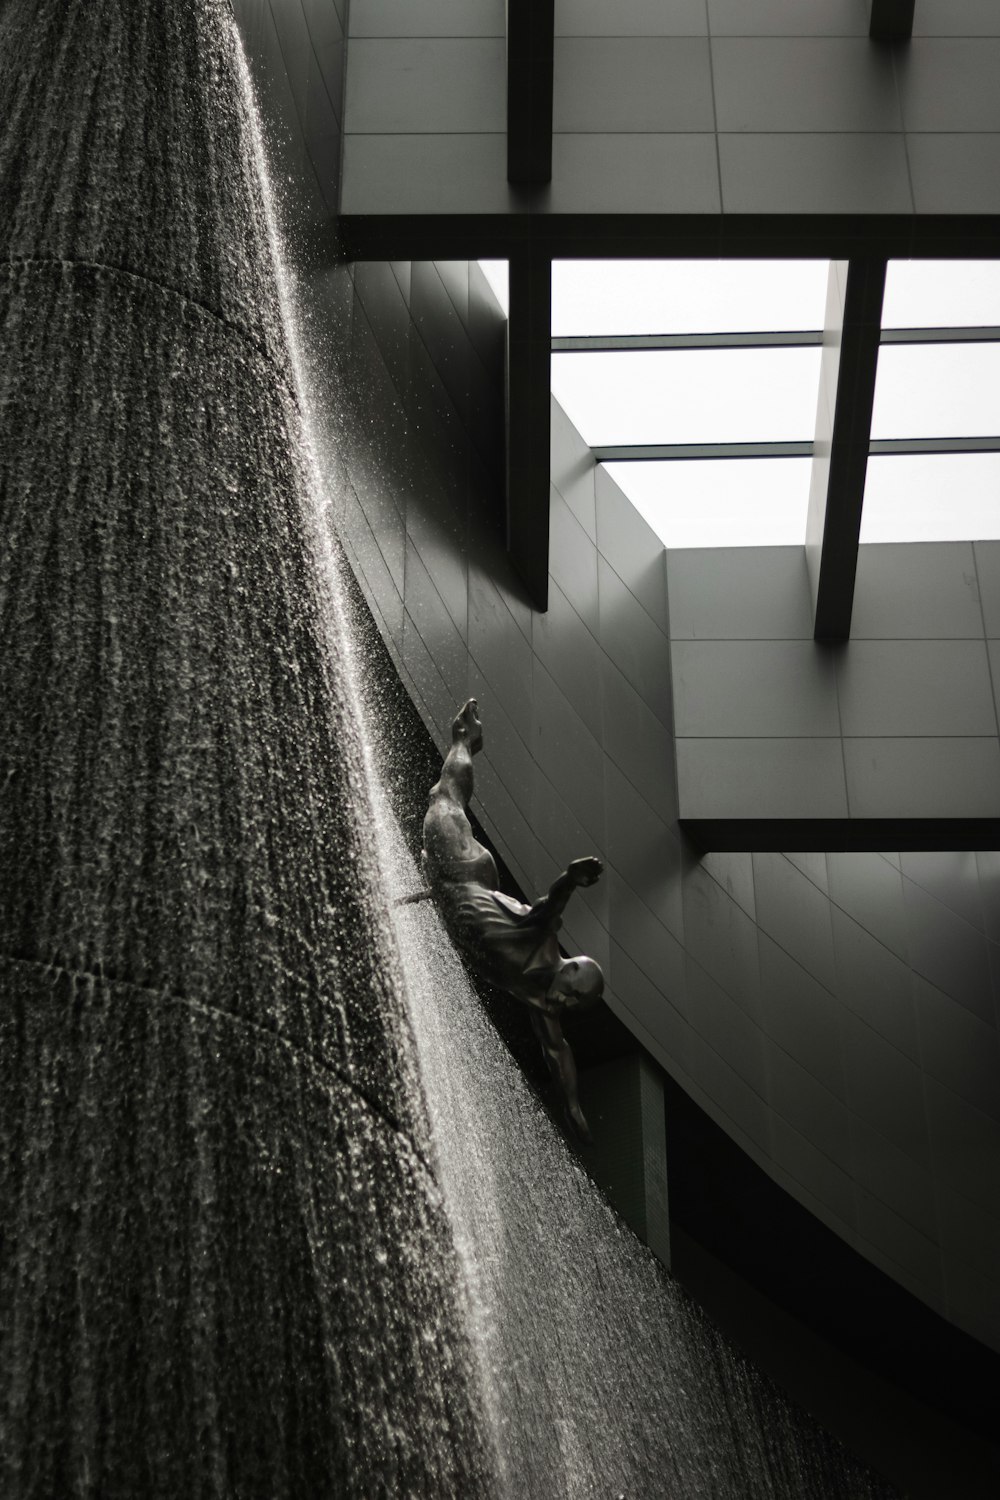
point(225, 1267)
point(602, 1378)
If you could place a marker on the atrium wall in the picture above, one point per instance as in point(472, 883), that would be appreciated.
point(898, 723)
point(835, 1013)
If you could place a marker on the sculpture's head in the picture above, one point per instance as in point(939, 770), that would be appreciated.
point(579, 981)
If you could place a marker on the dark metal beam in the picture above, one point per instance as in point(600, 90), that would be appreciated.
point(897, 447)
point(637, 453)
point(529, 333)
point(625, 453)
point(890, 20)
point(530, 47)
point(433, 236)
point(843, 431)
point(736, 835)
point(618, 343)
point(803, 338)
point(986, 334)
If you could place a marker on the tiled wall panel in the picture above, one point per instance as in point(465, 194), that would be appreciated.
point(678, 106)
point(837, 1015)
point(813, 1004)
point(826, 18)
point(631, 18)
point(906, 708)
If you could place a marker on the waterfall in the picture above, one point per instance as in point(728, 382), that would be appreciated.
point(602, 1378)
point(225, 1266)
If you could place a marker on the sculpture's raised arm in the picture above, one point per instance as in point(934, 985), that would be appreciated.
point(579, 872)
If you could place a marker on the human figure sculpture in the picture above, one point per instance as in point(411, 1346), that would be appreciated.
point(507, 943)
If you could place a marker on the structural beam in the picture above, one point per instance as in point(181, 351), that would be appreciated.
point(624, 453)
point(596, 235)
point(802, 338)
point(619, 343)
point(530, 47)
point(843, 431)
point(528, 420)
point(912, 446)
point(890, 20)
point(781, 835)
point(984, 334)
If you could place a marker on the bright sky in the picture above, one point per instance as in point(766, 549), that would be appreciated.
point(690, 396)
point(937, 390)
point(698, 396)
point(495, 272)
point(686, 296)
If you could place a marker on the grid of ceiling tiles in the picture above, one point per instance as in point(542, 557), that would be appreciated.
point(697, 383)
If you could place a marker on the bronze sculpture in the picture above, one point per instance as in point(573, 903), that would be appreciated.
point(507, 943)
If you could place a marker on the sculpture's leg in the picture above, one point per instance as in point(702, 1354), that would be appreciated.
point(224, 1268)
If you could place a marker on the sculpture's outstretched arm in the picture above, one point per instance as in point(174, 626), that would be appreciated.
point(584, 871)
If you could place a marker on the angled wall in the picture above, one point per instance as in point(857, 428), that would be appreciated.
point(832, 1013)
point(835, 1012)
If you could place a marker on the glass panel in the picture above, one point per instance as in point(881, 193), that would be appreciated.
point(687, 296)
point(692, 396)
point(937, 390)
point(723, 503)
point(942, 294)
point(952, 497)
point(497, 273)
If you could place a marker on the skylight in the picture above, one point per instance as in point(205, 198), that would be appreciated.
point(942, 294)
point(758, 502)
point(691, 396)
point(937, 391)
point(932, 498)
point(697, 383)
point(729, 368)
point(931, 474)
point(686, 296)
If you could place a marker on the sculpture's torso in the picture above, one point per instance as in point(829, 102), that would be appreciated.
point(505, 944)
